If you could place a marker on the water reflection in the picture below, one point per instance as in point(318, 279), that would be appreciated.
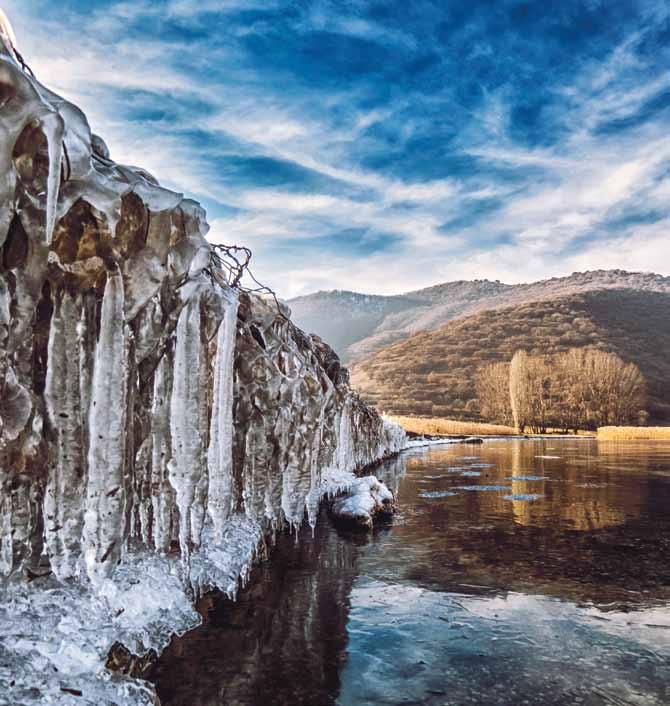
point(282, 642)
point(532, 572)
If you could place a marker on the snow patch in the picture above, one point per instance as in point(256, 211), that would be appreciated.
point(366, 499)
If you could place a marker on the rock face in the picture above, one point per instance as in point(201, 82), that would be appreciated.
point(147, 407)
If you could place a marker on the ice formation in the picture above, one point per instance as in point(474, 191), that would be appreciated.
point(366, 499)
point(156, 423)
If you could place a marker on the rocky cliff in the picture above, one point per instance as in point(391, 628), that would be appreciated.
point(157, 421)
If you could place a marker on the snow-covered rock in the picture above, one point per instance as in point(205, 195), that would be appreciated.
point(366, 500)
point(156, 422)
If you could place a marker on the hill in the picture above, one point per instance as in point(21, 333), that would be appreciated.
point(433, 372)
point(357, 325)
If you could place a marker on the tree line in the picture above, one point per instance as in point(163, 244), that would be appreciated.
point(580, 389)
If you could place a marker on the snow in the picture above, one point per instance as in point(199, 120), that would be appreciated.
point(365, 499)
point(421, 442)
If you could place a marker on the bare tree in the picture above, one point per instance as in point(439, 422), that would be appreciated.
point(492, 385)
point(540, 379)
point(580, 388)
point(570, 397)
point(615, 390)
point(519, 390)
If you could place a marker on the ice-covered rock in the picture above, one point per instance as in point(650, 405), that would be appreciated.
point(156, 422)
point(366, 500)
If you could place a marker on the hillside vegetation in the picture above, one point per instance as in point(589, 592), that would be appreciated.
point(433, 373)
point(357, 325)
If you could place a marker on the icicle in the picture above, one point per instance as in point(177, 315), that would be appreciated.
point(6, 535)
point(314, 497)
point(52, 125)
point(297, 474)
point(17, 523)
point(220, 452)
point(345, 449)
point(63, 508)
point(143, 500)
point(104, 519)
point(162, 495)
point(188, 466)
point(7, 34)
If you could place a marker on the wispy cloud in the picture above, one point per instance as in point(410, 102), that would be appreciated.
point(384, 149)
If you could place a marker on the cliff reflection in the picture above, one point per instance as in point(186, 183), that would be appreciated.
point(282, 642)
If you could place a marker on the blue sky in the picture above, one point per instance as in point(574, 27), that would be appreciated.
point(385, 146)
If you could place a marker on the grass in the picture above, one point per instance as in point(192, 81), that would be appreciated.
point(632, 433)
point(435, 425)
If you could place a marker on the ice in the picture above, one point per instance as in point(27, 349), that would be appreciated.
point(220, 452)
point(188, 425)
point(366, 499)
point(484, 488)
point(7, 32)
point(420, 442)
point(437, 494)
point(104, 516)
point(156, 425)
point(526, 478)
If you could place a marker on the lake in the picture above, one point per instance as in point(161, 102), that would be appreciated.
point(515, 572)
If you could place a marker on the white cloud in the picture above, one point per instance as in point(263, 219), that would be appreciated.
point(575, 187)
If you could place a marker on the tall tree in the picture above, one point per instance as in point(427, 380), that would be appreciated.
point(519, 390)
point(492, 385)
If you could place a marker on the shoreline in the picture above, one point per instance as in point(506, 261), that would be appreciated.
point(74, 644)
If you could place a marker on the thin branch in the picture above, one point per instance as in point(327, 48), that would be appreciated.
point(24, 65)
point(234, 261)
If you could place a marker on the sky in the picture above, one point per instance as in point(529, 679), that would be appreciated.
point(385, 146)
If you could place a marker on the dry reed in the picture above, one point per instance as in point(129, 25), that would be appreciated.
point(435, 425)
point(633, 433)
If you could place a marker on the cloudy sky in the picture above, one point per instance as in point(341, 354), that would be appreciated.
point(385, 146)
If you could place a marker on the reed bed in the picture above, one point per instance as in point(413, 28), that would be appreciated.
point(447, 427)
point(633, 433)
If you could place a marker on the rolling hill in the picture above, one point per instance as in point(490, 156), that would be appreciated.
point(358, 325)
point(433, 372)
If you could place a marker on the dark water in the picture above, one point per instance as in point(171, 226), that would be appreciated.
point(515, 573)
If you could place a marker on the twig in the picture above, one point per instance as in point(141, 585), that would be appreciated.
point(23, 63)
point(234, 261)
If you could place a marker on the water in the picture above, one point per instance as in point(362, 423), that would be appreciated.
point(543, 580)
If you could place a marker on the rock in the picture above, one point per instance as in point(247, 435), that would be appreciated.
point(367, 500)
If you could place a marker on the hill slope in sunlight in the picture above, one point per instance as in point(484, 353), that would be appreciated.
point(357, 325)
point(433, 372)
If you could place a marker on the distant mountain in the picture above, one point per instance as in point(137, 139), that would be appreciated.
point(433, 372)
point(357, 325)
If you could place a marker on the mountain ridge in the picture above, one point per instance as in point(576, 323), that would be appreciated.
point(360, 324)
